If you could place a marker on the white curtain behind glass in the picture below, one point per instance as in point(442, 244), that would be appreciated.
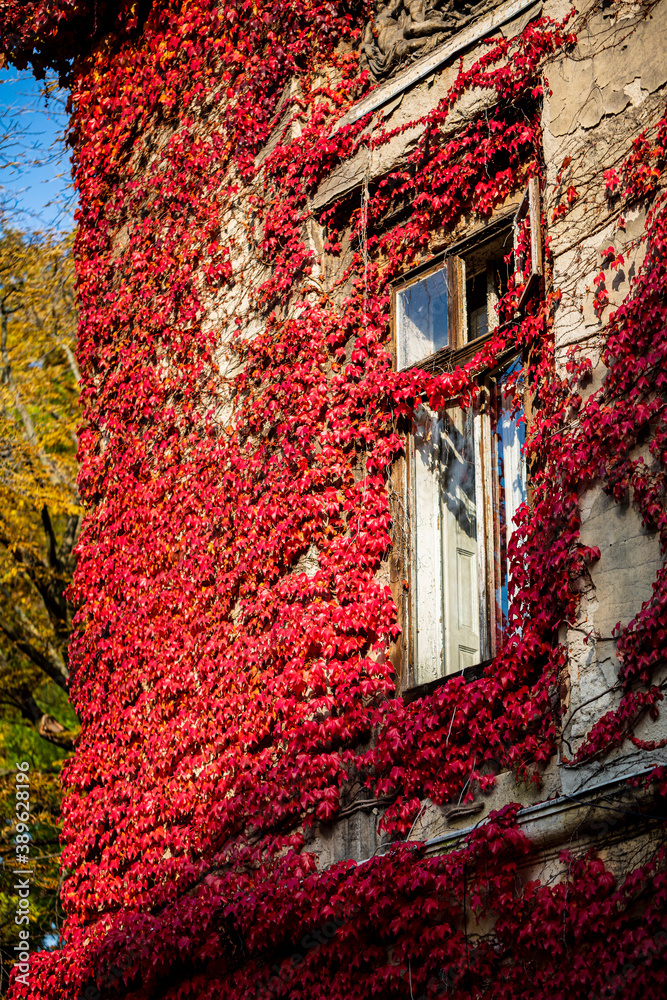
point(421, 318)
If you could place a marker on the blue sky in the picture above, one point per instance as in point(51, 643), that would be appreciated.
point(35, 188)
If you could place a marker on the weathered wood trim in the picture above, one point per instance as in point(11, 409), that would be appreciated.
point(423, 67)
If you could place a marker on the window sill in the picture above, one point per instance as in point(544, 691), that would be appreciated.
point(448, 359)
point(469, 674)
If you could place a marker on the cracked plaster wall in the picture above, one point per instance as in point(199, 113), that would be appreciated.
point(604, 93)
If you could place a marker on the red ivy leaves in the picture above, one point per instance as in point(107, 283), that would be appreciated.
point(230, 664)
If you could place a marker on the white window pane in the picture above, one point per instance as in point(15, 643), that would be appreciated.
point(421, 316)
point(427, 569)
point(447, 537)
point(460, 539)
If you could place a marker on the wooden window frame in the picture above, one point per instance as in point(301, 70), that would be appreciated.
point(492, 573)
point(455, 269)
point(529, 207)
point(457, 353)
point(459, 350)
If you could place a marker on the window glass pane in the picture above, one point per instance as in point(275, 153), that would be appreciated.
point(460, 539)
point(446, 535)
point(426, 585)
point(468, 478)
point(476, 296)
point(511, 438)
point(421, 316)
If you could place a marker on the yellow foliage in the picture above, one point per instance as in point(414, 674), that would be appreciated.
point(39, 510)
point(39, 519)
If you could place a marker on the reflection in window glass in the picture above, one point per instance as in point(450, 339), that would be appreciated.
point(468, 480)
point(510, 440)
point(422, 319)
point(445, 584)
point(477, 306)
point(459, 529)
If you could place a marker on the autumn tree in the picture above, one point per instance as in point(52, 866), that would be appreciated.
point(39, 511)
point(39, 520)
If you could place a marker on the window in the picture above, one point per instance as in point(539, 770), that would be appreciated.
point(467, 481)
point(425, 320)
point(423, 323)
point(466, 468)
point(451, 304)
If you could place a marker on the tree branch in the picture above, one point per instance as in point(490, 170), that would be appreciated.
point(71, 360)
point(66, 550)
point(20, 697)
point(53, 472)
point(46, 659)
point(49, 581)
point(51, 538)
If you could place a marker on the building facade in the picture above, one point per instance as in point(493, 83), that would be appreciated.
point(370, 649)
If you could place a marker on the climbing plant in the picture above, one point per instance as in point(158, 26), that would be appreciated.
point(241, 418)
